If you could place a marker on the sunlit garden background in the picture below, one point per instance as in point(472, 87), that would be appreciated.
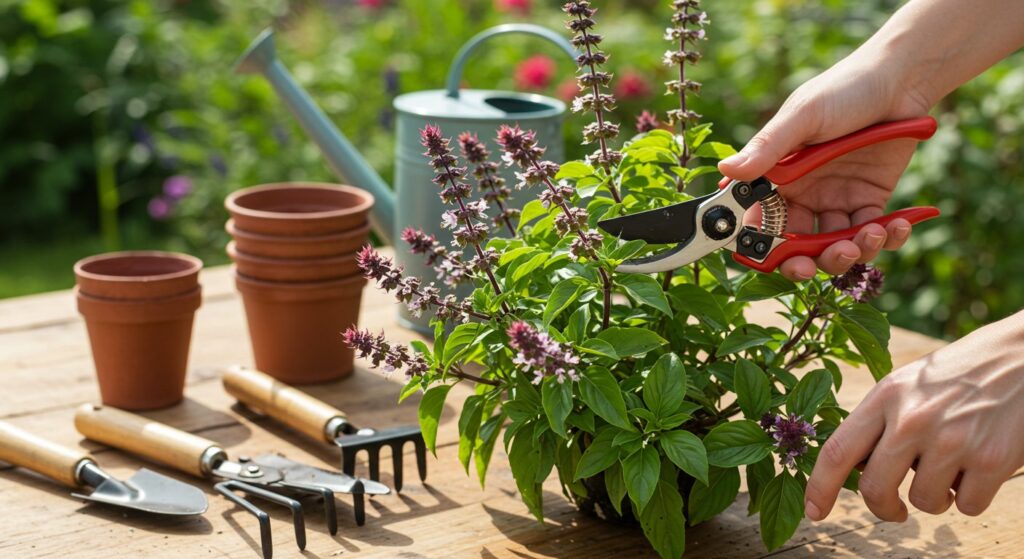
point(122, 124)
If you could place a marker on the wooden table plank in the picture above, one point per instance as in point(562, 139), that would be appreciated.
point(47, 369)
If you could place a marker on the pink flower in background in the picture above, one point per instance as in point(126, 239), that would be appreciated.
point(177, 187)
point(568, 90)
point(521, 6)
point(160, 208)
point(632, 85)
point(371, 4)
point(535, 72)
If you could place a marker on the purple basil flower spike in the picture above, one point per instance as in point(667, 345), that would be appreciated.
point(791, 434)
point(536, 352)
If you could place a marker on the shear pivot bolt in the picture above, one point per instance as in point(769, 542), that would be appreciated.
point(719, 222)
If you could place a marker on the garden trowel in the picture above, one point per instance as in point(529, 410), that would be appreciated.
point(145, 491)
point(322, 421)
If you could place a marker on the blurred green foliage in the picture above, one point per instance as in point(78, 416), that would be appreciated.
point(102, 100)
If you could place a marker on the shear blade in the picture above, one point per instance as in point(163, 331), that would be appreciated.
point(338, 482)
point(672, 224)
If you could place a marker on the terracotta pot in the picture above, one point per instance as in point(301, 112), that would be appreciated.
point(281, 246)
point(299, 209)
point(140, 348)
point(296, 328)
point(137, 274)
point(299, 270)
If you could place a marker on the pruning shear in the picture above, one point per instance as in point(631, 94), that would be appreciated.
point(703, 225)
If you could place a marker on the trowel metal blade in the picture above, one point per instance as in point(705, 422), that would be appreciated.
point(149, 491)
point(303, 474)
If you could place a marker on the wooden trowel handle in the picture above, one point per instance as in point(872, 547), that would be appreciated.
point(288, 405)
point(54, 461)
point(145, 437)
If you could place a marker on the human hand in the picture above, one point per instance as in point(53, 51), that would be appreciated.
point(956, 416)
point(852, 189)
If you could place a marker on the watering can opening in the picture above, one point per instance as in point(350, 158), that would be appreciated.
point(517, 105)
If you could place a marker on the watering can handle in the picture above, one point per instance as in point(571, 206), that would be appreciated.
point(455, 72)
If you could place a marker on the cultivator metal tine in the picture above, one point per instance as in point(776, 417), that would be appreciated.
point(330, 509)
point(228, 488)
point(372, 440)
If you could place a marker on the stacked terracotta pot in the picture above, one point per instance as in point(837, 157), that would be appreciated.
point(138, 309)
point(294, 246)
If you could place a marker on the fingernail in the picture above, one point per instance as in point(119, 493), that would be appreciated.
point(845, 260)
point(812, 511)
point(901, 233)
point(875, 241)
point(737, 159)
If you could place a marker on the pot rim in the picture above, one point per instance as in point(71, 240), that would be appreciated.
point(195, 265)
point(235, 231)
point(254, 283)
point(231, 203)
point(138, 311)
point(257, 260)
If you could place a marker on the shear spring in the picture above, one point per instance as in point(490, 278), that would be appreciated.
point(774, 215)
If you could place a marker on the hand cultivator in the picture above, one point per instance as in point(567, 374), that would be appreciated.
point(321, 421)
point(703, 225)
point(269, 477)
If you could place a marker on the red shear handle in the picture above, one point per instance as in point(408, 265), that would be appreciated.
point(799, 163)
point(813, 245)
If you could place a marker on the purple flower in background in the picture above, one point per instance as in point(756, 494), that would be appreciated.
point(177, 187)
point(219, 165)
point(646, 122)
point(391, 81)
point(862, 282)
point(538, 353)
point(160, 208)
point(790, 434)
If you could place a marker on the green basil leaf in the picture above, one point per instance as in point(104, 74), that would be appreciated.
point(758, 475)
point(524, 458)
point(599, 455)
point(631, 342)
point(714, 150)
point(687, 452)
point(737, 443)
point(527, 268)
point(663, 521)
point(615, 485)
point(782, 508)
point(562, 295)
point(753, 392)
point(665, 386)
point(869, 331)
point(531, 211)
point(556, 397)
point(641, 471)
point(809, 393)
point(469, 426)
point(700, 303)
point(707, 500)
point(597, 346)
point(487, 436)
point(574, 170)
point(601, 393)
point(646, 290)
point(738, 341)
point(576, 330)
point(764, 286)
point(429, 413)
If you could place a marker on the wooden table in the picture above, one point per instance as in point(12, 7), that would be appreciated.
point(46, 371)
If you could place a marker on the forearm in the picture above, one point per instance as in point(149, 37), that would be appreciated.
point(939, 45)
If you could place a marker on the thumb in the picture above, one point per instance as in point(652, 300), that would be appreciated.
point(783, 134)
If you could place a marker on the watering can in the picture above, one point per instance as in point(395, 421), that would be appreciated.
point(414, 202)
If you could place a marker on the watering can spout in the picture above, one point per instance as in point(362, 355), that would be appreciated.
point(344, 160)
